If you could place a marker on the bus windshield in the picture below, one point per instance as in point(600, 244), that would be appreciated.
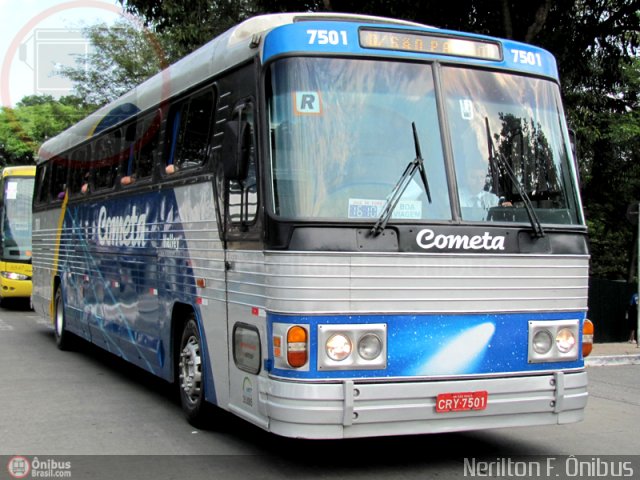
point(16, 221)
point(341, 137)
point(498, 118)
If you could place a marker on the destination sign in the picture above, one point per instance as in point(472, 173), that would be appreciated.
point(425, 43)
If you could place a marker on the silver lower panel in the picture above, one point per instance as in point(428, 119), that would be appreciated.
point(350, 410)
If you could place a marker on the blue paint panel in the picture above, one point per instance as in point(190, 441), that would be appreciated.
point(123, 263)
point(295, 39)
point(116, 116)
point(436, 345)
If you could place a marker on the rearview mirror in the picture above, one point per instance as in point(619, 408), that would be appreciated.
point(236, 148)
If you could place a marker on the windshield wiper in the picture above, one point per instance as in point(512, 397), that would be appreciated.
point(494, 154)
point(395, 194)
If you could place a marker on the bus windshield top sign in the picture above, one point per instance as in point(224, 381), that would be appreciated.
point(424, 43)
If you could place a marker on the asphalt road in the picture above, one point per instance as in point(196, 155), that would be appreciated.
point(111, 420)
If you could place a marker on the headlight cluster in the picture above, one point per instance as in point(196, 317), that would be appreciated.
point(352, 347)
point(15, 276)
point(553, 340)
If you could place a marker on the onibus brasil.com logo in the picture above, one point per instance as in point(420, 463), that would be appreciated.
point(22, 467)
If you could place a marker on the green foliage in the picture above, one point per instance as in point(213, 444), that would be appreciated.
point(35, 119)
point(186, 26)
point(124, 55)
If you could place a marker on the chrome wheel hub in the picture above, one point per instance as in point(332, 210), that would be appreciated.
point(190, 368)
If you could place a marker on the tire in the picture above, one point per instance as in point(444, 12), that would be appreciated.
point(190, 376)
point(64, 338)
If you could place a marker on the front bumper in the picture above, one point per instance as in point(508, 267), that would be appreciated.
point(349, 409)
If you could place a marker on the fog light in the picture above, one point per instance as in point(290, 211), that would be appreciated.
point(369, 346)
point(338, 347)
point(542, 342)
point(565, 340)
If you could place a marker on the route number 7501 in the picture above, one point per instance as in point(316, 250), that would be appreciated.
point(327, 37)
point(526, 58)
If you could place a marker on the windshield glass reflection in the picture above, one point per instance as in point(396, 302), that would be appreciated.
point(524, 122)
point(342, 136)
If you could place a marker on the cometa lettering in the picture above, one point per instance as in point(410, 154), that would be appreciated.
point(428, 240)
point(119, 231)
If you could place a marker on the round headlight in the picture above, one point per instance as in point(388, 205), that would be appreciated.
point(338, 347)
point(565, 340)
point(369, 346)
point(542, 342)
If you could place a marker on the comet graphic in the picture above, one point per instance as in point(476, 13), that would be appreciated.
point(460, 354)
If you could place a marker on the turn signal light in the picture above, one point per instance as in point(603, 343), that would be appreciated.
point(297, 354)
point(587, 337)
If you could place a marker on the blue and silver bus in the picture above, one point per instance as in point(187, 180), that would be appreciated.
point(331, 226)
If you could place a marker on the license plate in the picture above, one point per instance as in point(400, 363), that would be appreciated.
point(461, 401)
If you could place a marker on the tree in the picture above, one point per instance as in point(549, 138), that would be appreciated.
point(124, 55)
point(189, 25)
point(613, 180)
point(35, 119)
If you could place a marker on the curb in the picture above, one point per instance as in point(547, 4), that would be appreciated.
point(604, 360)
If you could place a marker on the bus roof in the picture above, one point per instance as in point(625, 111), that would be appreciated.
point(223, 52)
point(233, 47)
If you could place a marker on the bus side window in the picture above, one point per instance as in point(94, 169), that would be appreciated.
point(106, 159)
point(58, 178)
point(190, 130)
point(128, 156)
point(78, 171)
point(43, 174)
point(148, 139)
point(243, 191)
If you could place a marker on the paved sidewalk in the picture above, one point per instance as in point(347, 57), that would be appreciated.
point(621, 353)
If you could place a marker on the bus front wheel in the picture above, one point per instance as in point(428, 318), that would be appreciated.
point(191, 375)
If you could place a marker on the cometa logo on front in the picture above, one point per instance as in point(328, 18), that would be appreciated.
point(428, 240)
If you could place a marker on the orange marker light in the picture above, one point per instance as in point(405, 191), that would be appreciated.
point(297, 346)
point(587, 337)
point(277, 346)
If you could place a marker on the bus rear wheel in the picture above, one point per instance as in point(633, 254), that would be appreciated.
point(62, 335)
point(191, 375)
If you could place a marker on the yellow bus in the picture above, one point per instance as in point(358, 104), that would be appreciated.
point(15, 225)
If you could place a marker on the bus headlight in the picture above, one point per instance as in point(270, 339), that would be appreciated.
point(338, 347)
point(14, 276)
point(369, 346)
point(352, 347)
point(553, 341)
point(565, 340)
point(542, 342)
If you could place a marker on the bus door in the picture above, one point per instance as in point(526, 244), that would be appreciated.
point(244, 253)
